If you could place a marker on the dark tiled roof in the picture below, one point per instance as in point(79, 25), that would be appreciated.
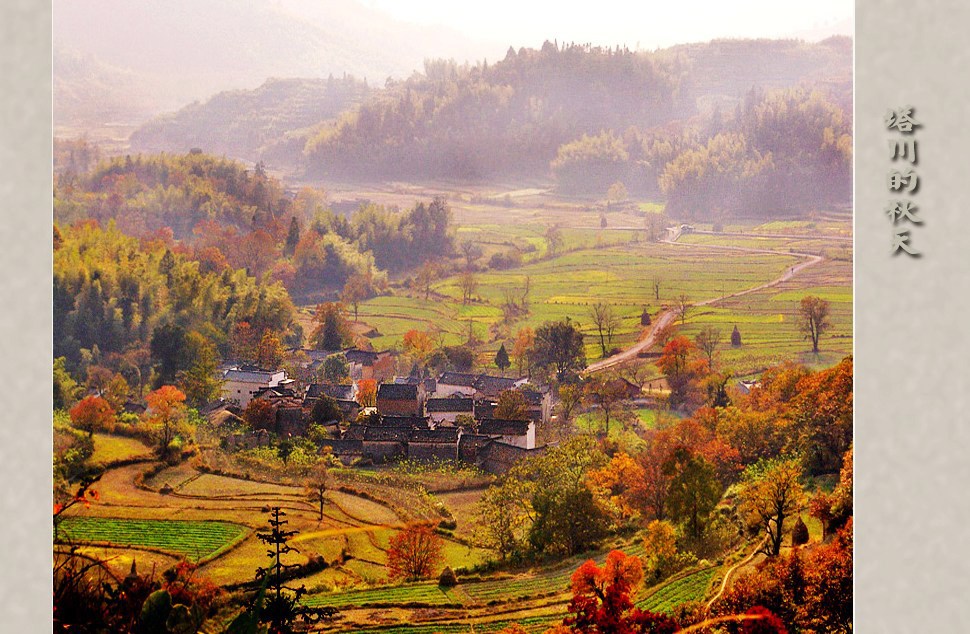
point(475, 439)
point(496, 427)
point(493, 385)
point(364, 357)
point(274, 392)
point(247, 375)
point(532, 397)
point(441, 435)
point(395, 392)
point(345, 392)
point(450, 404)
point(418, 422)
point(354, 432)
point(387, 434)
point(458, 378)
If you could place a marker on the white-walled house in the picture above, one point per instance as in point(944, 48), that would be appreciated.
point(241, 383)
point(518, 433)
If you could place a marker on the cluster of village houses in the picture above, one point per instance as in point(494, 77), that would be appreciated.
point(448, 417)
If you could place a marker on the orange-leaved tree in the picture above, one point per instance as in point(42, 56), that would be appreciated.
point(92, 413)
point(414, 553)
point(167, 416)
point(367, 392)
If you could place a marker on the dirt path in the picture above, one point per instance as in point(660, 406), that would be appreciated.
point(731, 570)
point(667, 316)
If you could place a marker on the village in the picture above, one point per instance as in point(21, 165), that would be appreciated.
point(455, 416)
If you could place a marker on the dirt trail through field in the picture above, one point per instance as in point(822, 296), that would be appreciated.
point(667, 316)
point(731, 570)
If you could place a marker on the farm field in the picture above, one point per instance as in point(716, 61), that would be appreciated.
point(692, 587)
point(566, 286)
point(109, 448)
point(192, 539)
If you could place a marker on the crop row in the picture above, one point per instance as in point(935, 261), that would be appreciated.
point(690, 588)
point(193, 539)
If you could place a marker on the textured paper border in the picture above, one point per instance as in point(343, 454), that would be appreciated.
point(25, 323)
point(912, 506)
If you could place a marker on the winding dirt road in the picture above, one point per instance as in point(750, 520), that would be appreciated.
point(667, 316)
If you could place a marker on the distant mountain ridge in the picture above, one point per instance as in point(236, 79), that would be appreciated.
point(266, 124)
point(180, 51)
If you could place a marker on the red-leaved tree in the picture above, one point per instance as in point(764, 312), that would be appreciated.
point(414, 553)
point(601, 599)
point(92, 413)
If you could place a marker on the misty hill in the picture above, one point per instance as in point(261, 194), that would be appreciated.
point(512, 117)
point(89, 92)
point(264, 124)
point(183, 50)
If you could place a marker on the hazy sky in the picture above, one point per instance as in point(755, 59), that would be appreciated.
point(650, 23)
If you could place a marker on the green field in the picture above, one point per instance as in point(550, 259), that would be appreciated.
point(567, 286)
point(192, 539)
point(693, 587)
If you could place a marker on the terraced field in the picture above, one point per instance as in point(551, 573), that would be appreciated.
point(193, 540)
point(692, 587)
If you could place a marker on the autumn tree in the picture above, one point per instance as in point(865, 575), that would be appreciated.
point(543, 504)
point(606, 321)
point(660, 546)
point(813, 313)
point(270, 352)
point(522, 348)
point(367, 392)
point(167, 416)
point(678, 367)
point(559, 344)
point(243, 342)
point(771, 493)
point(616, 485)
point(707, 340)
point(821, 410)
point(414, 553)
point(91, 414)
point(502, 361)
point(357, 288)
point(602, 599)
point(511, 406)
point(259, 414)
point(418, 345)
point(467, 283)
